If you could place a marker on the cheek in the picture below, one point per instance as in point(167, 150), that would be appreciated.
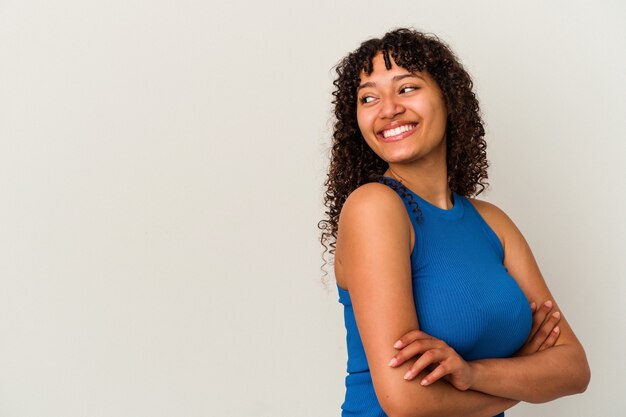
point(363, 126)
point(437, 113)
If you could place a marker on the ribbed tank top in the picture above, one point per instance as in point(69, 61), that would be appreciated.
point(463, 295)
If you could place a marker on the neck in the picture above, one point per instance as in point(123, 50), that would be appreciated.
point(428, 179)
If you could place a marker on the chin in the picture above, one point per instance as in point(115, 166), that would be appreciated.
point(400, 157)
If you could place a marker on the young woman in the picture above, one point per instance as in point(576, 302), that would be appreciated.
point(446, 311)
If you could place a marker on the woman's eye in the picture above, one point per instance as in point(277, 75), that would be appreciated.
point(366, 99)
point(407, 89)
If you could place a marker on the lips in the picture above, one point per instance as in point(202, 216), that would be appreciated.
point(396, 131)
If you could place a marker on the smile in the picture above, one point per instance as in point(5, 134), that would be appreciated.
point(397, 133)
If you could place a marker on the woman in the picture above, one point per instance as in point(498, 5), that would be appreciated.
point(425, 272)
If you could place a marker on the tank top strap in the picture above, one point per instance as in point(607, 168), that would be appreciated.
point(411, 204)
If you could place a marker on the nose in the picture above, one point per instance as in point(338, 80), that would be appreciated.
point(390, 108)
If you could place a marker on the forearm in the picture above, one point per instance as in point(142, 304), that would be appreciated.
point(537, 378)
point(441, 399)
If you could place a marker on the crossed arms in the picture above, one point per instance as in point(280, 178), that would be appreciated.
point(373, 248)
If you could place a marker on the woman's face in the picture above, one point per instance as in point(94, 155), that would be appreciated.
point(401, 115)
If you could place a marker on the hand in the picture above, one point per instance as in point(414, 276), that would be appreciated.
point(544, 332)
point(451, 365)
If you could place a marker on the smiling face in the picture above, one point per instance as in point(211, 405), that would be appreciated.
point(402, 115)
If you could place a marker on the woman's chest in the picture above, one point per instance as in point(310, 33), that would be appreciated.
point(465, 296)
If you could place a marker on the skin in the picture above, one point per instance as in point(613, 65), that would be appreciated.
point(451, 366)
point(415, 99)
point(375, 238)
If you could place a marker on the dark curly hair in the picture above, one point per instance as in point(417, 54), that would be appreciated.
point(353, 163)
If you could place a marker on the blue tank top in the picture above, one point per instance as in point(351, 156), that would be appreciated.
point(463, 295)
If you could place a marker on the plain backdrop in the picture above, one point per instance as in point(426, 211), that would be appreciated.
point(161, 170)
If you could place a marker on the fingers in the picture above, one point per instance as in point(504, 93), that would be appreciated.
point(417, 347)
point(438, 373)
point(539, 316)
point(551, 340)
point(429, 357)
point(545, 332)
point(410, 337)
point(442, 363)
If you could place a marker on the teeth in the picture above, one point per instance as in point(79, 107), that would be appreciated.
point(397, 130)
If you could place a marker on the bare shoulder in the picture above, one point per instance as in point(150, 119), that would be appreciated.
point(496, 218)
point(372, 213)
point(369, 198)
point(490, 210)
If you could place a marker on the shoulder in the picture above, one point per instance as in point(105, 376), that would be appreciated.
point(373, 219)
point(496, 218)
point(486, 208)
point(369, 198)
point(373, 204)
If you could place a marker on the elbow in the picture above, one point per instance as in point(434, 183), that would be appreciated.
point(400, 398)
point(582, 376)
point(401, 408)
point(393, 411)
point(394, 407)
point(399, 412)
point(584, 379)
point(576, 383)
point(391, 394)
point(583, 372)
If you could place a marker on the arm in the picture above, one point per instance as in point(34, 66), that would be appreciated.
point(373, 247)
point(446, 363)
point(543, 376)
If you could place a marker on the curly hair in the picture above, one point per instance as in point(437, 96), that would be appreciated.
point(353, 163)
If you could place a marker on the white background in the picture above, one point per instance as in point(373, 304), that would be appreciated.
point(161, 170)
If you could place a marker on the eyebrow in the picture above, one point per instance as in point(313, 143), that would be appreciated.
point(394, 79)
